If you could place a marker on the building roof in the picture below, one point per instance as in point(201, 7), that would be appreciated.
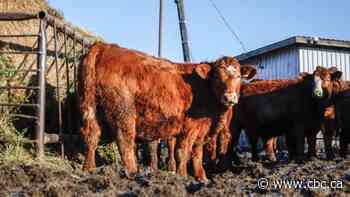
point(296, 40)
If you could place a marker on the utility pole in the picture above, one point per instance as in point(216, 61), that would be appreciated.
point(183, 30)
point(160, 33)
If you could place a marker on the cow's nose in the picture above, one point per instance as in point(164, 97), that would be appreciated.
point(318, 93)
point(235, 98)
point(230, 99)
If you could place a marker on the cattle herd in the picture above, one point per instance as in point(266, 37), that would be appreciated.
point(200, 109)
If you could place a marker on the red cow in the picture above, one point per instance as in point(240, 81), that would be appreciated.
point(140, 96)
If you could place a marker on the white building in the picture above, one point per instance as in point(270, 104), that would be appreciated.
point(287, 58)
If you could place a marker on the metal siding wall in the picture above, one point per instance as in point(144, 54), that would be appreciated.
point(309, 58)
point(282, 64)
point(347, 67)
point(287, 63)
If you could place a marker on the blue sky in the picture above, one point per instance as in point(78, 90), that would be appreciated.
point(134, 23)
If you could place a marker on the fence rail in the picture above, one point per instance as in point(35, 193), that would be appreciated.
point(18, 16)
point(70, 37)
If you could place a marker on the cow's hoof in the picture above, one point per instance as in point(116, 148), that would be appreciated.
point(88, 168)
point(203, 180)
point(300, 161)
point(255, 159)
point(312, 158)
point(130, 175)
point(148, 170)
point(271, 158)
point(345, 156)
point(172, 172)
point(172, 166)
point(224, 165)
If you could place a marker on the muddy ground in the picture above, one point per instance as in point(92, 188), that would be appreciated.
point(38, 180)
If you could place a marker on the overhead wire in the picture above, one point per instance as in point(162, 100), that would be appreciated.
point(228, 26)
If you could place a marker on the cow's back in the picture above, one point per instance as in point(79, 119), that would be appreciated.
point(153, 86)
point(274, 105)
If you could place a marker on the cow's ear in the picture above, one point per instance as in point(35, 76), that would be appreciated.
point(248, 71)
point(203, 70)
point(333, 69)
point(336, 75)
point(303, 75)
point(320, 68)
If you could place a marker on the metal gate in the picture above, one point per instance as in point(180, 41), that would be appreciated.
point(63, 65)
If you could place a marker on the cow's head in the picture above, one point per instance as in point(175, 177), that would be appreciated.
point(225, 78)
point(324, 81)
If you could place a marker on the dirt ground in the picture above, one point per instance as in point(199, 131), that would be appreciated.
point(38, 180)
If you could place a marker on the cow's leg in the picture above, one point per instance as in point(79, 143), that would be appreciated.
point(290, 142)
point(311, 142)
point(232, 154)
point(225, 140)
point(328, 133)
point(254, 145)
point(182, 156)
point(274, 146)
point(122, 120)
point(183, 150)
point(153, 154)
point(212, 145)
point(91, 133)
point(126, 143)
point(270, 148)
point(171, 154)
point(120, 112)
point(142, 153)
point(211, 149)
point(344, 141)
point(299, 144)
point(197, 162)
point(225, 150)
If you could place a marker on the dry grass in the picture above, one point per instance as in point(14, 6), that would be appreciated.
point(14, 148)
point(11, 141)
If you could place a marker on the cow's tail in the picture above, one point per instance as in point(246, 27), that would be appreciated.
point(90, 129)
point(87, 83)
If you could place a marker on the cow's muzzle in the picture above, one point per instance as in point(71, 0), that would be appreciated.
point(317, 90)
point(229, 99)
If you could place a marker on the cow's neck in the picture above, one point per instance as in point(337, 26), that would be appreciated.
point(203, 100)
point(319, 104)
point(341, 92)
point(206, 104)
